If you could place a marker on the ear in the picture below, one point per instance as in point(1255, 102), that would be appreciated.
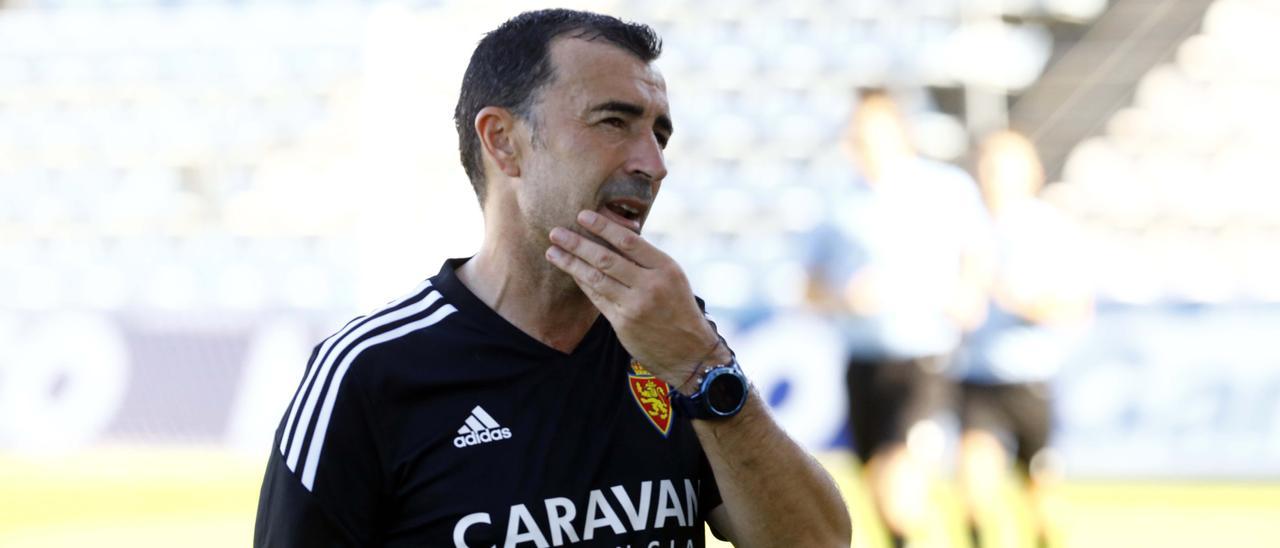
point(496, 128)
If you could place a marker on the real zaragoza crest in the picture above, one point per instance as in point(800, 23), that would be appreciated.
point(652, 395)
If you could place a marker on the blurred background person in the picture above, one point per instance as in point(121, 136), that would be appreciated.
point(1039, 302)
point(894, 268)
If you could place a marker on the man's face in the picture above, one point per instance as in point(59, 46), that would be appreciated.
point(1008, 169)
point(599, 129)
point(876, 136)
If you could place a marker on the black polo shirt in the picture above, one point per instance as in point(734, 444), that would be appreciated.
point(434, 422)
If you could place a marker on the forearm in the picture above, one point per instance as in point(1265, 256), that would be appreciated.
point(774, 492)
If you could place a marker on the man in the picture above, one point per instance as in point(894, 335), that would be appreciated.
point(897, 268)
point(527, 396)
point(1039, 301)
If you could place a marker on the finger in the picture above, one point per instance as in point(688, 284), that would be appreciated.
point(621, 238)
point(602, 258)
point(596, 284)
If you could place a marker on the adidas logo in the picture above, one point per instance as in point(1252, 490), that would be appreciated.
point(480, 428)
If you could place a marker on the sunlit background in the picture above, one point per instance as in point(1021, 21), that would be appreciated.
point(194, 192)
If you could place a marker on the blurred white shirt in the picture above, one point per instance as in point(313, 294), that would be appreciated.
point(909, 232)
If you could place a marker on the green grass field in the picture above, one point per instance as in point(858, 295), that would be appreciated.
point(198, 498)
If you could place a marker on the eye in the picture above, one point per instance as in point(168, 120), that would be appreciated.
point(615, 122)
point(662, 139)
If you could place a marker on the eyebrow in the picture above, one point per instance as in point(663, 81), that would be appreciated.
point(663, 122)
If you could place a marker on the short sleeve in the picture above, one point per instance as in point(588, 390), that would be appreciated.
point(324, 482)
point(832, 253)
point(820, 247)
point(972, 222)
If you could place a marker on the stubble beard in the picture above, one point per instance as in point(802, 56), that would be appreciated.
point(559, 213)
point(537, 238)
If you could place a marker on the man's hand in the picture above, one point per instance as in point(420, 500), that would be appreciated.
point(643, 293)
point(774, 494)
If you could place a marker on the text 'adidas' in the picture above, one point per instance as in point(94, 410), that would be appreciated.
point(480, 428)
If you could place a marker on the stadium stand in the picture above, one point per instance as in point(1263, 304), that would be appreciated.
point(1174, 190)
point(185, 136)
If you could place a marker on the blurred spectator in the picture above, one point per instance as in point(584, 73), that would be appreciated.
point(893, 268)
point(1038, 298)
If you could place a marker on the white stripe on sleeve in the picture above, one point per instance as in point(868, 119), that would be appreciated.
point(322, 423)
point(328, 343)
point(308, 410)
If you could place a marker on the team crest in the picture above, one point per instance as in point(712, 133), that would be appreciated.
point(652, 395)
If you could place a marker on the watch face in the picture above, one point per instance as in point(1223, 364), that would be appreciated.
point(725, 393)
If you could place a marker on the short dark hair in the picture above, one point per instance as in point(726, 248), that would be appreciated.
point(512, 63)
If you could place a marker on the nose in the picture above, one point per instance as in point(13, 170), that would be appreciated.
point(647, 159)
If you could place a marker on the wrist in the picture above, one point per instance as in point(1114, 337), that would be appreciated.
point(718, 355)
point(693, 380)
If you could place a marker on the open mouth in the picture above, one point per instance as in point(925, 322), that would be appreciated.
point(626, 212)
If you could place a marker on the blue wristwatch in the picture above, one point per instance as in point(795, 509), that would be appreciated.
point(720, 394)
